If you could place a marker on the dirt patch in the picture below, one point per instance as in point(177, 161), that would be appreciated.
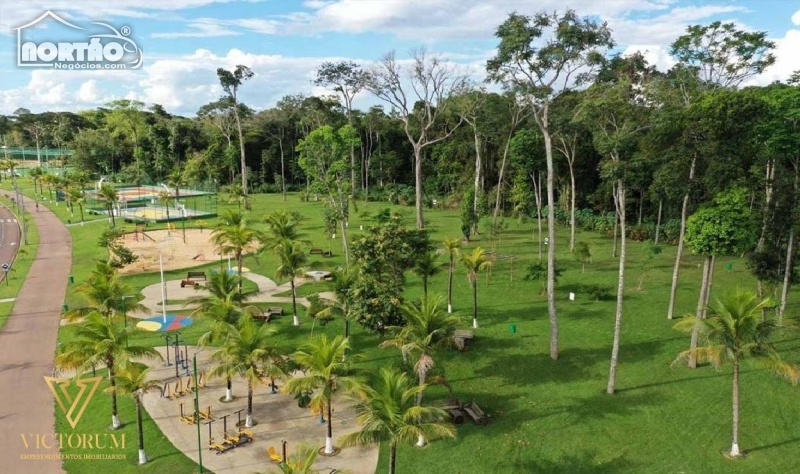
point(176, 254)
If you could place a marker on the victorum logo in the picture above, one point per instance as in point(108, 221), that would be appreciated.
point(73, 408)
point(109, 48)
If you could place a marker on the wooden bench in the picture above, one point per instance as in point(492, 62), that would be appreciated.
point(316, 251)
point(193, 278)
point(261, 315)
point(275, 311)
point(474, 411)
point(460, 337)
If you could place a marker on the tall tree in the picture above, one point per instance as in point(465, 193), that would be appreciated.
point(323, 158)
point(452, 247)
point(101, 341)
point(418, 92)
point(234, 235)
point(347, 79)
point(717, 55)
point(722, 228)
point(134, 380)
point(292, 258)
point(325, 368)
point(245, 350)
point(733, 333)
point(230, 82)
point(615, 111)
point(545, 67)
point(475, 263)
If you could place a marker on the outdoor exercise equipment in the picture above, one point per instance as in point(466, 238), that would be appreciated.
point(187, 419)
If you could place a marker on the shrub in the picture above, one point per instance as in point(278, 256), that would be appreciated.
point(599, 292)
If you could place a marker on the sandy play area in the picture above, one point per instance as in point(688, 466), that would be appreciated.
point(197, 250)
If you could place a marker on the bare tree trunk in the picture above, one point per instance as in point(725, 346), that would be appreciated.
point(709, 284)
point(418, 180)
point(787, 272)
point(537, 194)
point(501, 179)
point(551, 247)
point(641, 207)
point(283, 173)
point(658, 222)
point(572, 208)
point(735, 442)
point(612, 373)
point(344, 243)
point(684, 210)
point(700, 313)
point(616, 231)
point(241, 151)
point(478, 169)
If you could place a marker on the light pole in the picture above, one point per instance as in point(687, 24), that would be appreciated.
point(197, 411)
point(125, 316)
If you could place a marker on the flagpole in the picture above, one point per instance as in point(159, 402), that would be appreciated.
point(163, 290)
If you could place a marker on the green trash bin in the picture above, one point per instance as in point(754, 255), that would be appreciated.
point(512, 328)
point(729, 266)
point(64, 308)
point(71, 279)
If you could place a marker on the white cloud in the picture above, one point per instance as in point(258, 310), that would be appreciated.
point(796, 18)
point(787, 60)
point(89, 92)
point(201, 28)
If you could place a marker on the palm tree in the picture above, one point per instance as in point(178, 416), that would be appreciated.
point(733, 332)
point(132, 380)
point(236, 195)
point(233, 235)
point(428, 326)
point(223, 308)
point(103, 291)
point(166, 199)
point(292, 260)
point(387, 412)
point(101, 341)
point(109, 194)
point(425, 266)
point(325, 371)
point(475, 263)
point(452, 247)
point(281, 225)
point(245, 349)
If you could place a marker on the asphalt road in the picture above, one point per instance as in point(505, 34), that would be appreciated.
point(27, 345)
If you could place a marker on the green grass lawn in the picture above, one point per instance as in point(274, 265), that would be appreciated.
point(547, 416)
point(20, 267)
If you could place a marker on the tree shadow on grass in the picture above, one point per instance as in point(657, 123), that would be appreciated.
point(574, 464)
point(603, 405)
point(573, 363)
point(773, 445)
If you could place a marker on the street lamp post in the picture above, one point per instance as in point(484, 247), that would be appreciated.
point(197, 412)
point(125, 316)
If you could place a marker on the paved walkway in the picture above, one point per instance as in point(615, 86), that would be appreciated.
point(27, 345)
point(267, 289)
point(277, 416)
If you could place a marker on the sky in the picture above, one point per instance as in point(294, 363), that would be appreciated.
point(183, 42)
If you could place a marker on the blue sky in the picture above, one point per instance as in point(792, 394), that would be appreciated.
point(283, 41)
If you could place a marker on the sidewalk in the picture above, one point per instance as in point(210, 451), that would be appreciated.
point(27, 346)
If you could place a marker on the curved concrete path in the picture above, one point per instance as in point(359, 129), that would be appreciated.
point(27, 346)
point(267, 289)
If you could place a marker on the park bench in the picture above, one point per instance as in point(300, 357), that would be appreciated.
point(474, 411)
point(193, 278)
point(460, 338)
point(453, 407)
point(316, 251)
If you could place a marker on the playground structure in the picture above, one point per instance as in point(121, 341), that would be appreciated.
point(144, 203)
point(147, 245)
